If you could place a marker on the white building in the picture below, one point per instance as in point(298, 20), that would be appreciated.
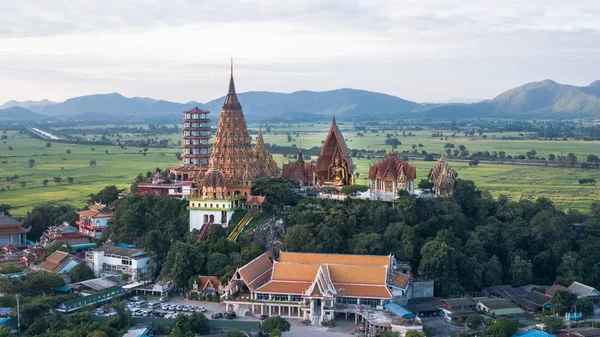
point(114, 260)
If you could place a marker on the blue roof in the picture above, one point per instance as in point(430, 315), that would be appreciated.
point(84, 246)
point(399, 310)
point(125, 245)
point(533, 333)
point(63, 289)
point(2, 320)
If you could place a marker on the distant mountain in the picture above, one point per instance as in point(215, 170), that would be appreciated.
point(346, 103)
point(26, 104)
point(111, 104)
point(16, 112)
point(545, 99)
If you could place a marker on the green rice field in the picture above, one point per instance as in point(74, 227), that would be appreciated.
point(120, 166)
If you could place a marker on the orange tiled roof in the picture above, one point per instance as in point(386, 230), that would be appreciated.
point(362, 291)
point(352, 274)
point(205, 281)
point(56, 261)
point(348, 259)
point(257, 271)
point(295, 271)
point(400, 280)
point(285, 287)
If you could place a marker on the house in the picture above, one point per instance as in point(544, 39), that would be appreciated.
point(554, 288)
point(115, 260)
point(498, 307)
point(94, 220)
point(530, 301)
point(97, 285)
point(207, 285)
point(58, 262)
point(11, 231)
point(455, 308)
point(583, 290)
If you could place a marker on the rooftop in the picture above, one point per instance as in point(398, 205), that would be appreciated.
point(56, 261)
point(582, 289)
point(554, 288)
point(348, 259)
point(7, 221)
point(120, 251)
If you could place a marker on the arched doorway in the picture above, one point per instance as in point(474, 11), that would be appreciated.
point(205, 218)
point(212, 218)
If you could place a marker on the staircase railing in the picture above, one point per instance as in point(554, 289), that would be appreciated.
point(240, 227)
point(204, 230)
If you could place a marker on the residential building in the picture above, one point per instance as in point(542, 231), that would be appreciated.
point(498, 306)
point(97, 285)
point(455, 308)
point(94, 220)
point(530, 301)
point(586, 291)
point(316, 287)
point(554, 288)
point(58, 262)
point(114, 260)
point(11, 232)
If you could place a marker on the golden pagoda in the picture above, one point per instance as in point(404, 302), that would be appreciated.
point(443, 177)
point(266, 165)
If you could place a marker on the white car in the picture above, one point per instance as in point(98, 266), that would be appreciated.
point(164, 299)
point(201, 309)
point(173, 307)
point(166, 307)
point(111, 314)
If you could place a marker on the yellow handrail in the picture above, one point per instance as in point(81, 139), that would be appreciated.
point(245, 220)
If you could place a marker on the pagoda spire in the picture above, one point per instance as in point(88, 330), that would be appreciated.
point(231, 84)
point(231, 100)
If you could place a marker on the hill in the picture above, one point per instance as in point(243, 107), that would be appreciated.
point(16, 112)
point(26, 104)
point(346, 103)
point(545, 99)
point(110, 104)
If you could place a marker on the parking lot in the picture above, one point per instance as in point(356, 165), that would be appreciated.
point(211, 307)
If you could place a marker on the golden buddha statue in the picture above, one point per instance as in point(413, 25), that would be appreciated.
point(337, 173)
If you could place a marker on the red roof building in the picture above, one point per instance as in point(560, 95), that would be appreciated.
point(334, 166)
point(390, 175)
point(301, 171)
point(94, 220)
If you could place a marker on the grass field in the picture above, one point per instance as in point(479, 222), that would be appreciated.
point(120, 166)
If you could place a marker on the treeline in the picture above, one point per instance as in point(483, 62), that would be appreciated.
point(464, 242)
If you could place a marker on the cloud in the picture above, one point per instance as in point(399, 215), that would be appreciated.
point(133, 46)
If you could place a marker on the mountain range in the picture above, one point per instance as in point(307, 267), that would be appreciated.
point(545, 99)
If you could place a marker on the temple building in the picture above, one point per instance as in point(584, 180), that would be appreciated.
point(233, 168)
point(334, 166)
point(390, 175)
point(266, 165)
point(11, 231)
point(443, 178)
point(301, 171)
point(196, 133)
point(94, 220)
point(316, 287)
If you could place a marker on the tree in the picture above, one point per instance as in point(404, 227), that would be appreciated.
point(107, 195)
point(23, 184)
point(439, 262)
point(45, 182)
point(31, 163)
point(45, 215)
point(106, 151)
point(562, 302)
point(520, 271)
point(585, 306)
point(367, 243)
point(57, 180)
point(68, 151)
point(425, 184)
point(571, 158)
point(503, 327)
point(216, 263)
point(93, 162)
point(48, 144)
point(492, 272)
point(354, 189)
point(9, 268)
point(183, 261)
point(553, 323)
point(70, 179)
point(551, 157)
point(274, 322)
point(81, 272)
point(475, 321)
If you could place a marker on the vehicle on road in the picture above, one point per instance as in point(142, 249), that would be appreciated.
point(263, 317)
point(217, 315)
point(164, 299)
point(135, 298)
point(230, 315)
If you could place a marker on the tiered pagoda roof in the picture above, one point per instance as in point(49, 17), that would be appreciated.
point(298, 170)
point(232, 147)
point(392, 167)
point(443, 177)
point(266, 165)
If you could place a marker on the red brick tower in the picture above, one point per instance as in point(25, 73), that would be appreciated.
point(232, 147)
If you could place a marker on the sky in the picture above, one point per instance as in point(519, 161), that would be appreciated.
point(179, 50)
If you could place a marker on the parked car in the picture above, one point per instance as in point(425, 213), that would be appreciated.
point(217, 315)
point(141, 304)
point(135, 298)
point(178, 308)
point(173, 307)
point(165, 307)
point(185, 308)
point(201, 309)
point(111, 314)
point(164, 299)
point(263, 317)
point(153, 305)
point(230, 315)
